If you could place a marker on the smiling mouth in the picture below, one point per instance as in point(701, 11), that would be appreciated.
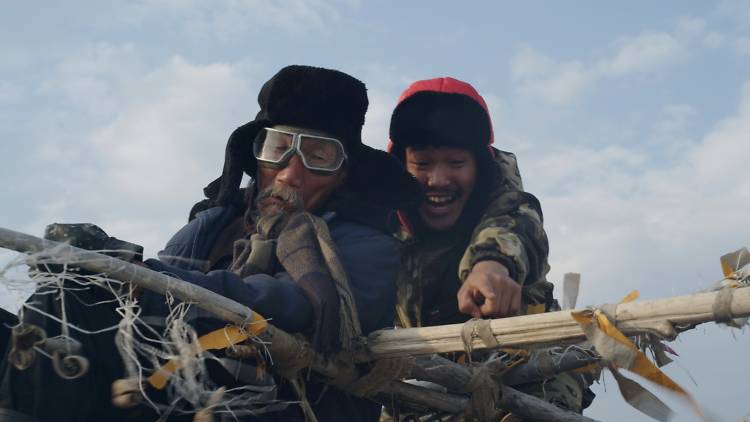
point(440, 199)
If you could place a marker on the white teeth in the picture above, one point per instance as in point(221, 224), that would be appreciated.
point(439, 199)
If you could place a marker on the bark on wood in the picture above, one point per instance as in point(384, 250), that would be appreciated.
point(528, 407)
point(535, 409)
point(541, 366)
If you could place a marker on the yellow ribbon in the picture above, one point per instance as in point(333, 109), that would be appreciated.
point(215, 340)
point(641, 365)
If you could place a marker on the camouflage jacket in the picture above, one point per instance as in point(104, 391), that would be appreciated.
point(510, 231)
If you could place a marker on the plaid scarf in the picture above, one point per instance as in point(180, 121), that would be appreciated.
point(301, 244)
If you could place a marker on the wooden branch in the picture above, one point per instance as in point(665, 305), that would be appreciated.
point(542, 365)
point(217, 304)
point(553, 328)
point(534, 409)
point(456, 378)
point(528, 407)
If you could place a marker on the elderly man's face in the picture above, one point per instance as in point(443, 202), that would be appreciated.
point(448, 176)
point(294, 187)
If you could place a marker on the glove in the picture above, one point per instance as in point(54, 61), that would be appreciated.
point(258, 254)
point(90, 237)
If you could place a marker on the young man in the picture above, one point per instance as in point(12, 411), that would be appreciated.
point(475, 246)
point(259, 247)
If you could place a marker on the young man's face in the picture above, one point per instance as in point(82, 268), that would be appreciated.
point(293, 185)
point(448, 176)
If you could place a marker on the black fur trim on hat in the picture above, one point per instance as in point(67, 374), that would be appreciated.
point(316, 98)
point(238, 159)
point(383, 179)
point(440, 119)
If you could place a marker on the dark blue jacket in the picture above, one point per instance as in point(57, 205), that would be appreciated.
point(370, 258)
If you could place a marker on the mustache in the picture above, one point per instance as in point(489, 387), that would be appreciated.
point(291, 198)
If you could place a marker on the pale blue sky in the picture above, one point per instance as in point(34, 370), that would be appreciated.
point(630, 121)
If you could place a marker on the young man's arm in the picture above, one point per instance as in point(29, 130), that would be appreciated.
point(509, 249)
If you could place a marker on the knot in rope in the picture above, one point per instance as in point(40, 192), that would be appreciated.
point(293, 354)
point(485, 390)
point(722, 306)
point(25, 337)
point(477, 328)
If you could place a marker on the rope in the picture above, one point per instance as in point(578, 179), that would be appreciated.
point(384, 371)
point(298, 385)
point(722, 307)
point(477, 328)
point(485, 389)
point(291, 355)
point(25, 337)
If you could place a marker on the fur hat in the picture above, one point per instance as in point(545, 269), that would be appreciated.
point(442, 112)
point(326, 100)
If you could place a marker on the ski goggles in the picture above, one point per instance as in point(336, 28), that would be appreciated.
point(274, 147)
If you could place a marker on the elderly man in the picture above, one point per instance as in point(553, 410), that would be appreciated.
point(314, 183)
point(475, 246)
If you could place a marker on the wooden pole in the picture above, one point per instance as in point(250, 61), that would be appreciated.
point(541, 365)
point(659, 317)
point(217, 304)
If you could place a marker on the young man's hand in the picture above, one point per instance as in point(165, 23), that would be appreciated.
point(489, 292)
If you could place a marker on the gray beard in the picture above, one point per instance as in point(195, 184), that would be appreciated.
point(292, 201)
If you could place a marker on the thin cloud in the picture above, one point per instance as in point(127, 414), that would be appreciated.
point(643, 53)
point(742, 46)
point(135, 135)
point(229, 20)
point(612, 212)
point(10, 92)
point(560, 82)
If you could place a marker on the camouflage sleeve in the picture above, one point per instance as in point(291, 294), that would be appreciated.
point(511, 230)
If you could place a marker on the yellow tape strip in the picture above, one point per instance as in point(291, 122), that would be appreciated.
point(535, 309)
point(630, 297)
point(215, 340)
point(726, 268)
point(641, 365)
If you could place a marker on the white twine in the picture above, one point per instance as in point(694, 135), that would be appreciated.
point(143, 348)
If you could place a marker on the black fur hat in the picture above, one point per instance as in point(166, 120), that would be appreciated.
point(316, 98)
point(426, 117)
point(440, 119)
point(326, 100)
